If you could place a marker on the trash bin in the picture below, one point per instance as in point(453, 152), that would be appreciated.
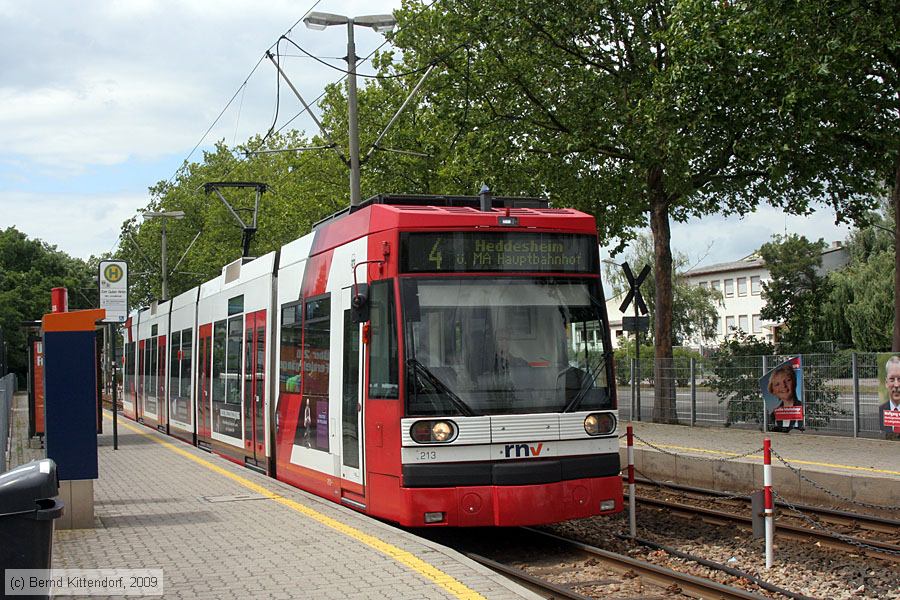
point(28, 506)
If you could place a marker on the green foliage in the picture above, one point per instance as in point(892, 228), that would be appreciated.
point(623, 355)
point(694, 310)
point(737, 366)
point(821, 399)
point(741, 360)
point(636, 112)
point(796, 291)
point(681, 363)
point(304, 188)
point(29, 269)
point(859, 310)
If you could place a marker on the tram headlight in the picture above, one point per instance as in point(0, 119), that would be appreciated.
point(433, 432)
point(599, 424)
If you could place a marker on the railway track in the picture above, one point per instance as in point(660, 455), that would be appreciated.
point(831, 515)
point(652, 575)
point(860, 545)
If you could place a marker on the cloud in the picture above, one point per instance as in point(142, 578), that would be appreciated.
point(99, 82)
point(715, 238)
point(80, 225)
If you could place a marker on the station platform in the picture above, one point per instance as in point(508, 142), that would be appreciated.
point(218, 530)
point(850, 473)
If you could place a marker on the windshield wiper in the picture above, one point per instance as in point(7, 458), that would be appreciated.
point(586, 386)
point(440, 386)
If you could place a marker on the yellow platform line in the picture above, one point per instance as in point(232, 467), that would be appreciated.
point(760, 457)
point(430, 572)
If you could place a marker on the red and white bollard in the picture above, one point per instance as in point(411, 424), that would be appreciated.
point(769, 506)
point(632, 518)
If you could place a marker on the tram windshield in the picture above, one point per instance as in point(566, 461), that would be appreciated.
point(481, 346)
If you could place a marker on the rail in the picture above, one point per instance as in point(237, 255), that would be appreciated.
point(690, 584)
point(838, 540)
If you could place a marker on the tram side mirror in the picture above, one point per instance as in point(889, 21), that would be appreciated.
point(359, 303)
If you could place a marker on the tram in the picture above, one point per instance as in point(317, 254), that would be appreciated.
point(428, 360)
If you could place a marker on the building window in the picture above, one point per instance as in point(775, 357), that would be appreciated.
point(729, 288)
point(742, 286)
point(755, 286)
point(716, 285)
point(718, 326)
point(743, 325)
point(729, 324)
point(702, 284)
point(757, 324)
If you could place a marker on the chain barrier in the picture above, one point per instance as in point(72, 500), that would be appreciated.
point(822, 488)
point(726, 459)
point(815, 524)
point(683, 494)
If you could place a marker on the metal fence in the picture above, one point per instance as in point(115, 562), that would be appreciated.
point(840, 392)
point(7, 389)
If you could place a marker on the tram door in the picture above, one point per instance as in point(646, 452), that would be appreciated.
point(162, 420)
point(141, 380)
point(255, 387)
point(204, 345)
point(351, 414)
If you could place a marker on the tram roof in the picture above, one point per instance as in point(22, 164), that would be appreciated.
point(442, 201)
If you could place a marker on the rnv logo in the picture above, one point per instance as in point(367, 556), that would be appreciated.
point(523, 450)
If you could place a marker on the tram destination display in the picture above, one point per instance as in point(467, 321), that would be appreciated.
point(428, 252)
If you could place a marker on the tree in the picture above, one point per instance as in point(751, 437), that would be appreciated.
point(859, 309)
point(304, 188)
point(737, 366)
point(796, 290)
point(635, 111)
point(839, 64)
point(29, 269)
point(694, 311)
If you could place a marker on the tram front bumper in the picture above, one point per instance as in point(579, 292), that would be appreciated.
point(511, 506)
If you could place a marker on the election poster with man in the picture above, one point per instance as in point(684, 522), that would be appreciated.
point(889, 394)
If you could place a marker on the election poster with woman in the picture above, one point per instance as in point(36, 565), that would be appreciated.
point(782, 390)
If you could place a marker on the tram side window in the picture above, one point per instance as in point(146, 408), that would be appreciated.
point(129, 367)
point(289, 354)
point(312, 422)
point(220, 331)
point(186, 356)
point(383, 355)
point(174, 345)
point(233, 366)
point(153, 369)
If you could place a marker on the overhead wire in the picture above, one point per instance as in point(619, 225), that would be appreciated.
point(240, 88)
point(346, 73)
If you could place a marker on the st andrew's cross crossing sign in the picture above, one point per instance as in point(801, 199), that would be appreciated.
point(635, 292)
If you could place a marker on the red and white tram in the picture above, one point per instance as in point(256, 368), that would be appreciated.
point(423, 359)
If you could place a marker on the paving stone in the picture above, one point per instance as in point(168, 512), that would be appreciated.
point(151, 512)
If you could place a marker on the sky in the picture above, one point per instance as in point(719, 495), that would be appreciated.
point(101, 99)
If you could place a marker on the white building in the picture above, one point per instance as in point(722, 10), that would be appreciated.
point(740, 283)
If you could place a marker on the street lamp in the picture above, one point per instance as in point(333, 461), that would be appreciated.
point(381, 24)
point(172, 214)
